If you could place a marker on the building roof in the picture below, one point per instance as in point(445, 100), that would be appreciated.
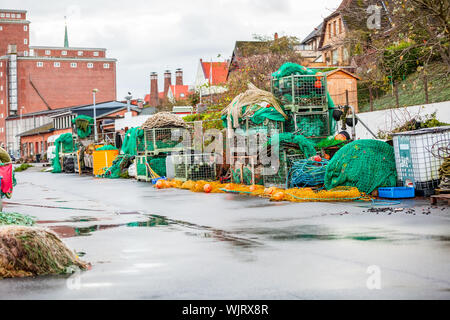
point(147, 97)
point(178, 90)
point(13, 11)
point(328, 73)
point(219, 71)
point(101, 109)
point(49, 127)
point(315, 33)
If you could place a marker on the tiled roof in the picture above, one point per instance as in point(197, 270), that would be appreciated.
point(219, 71)
point(316, 32)
point(177, 90)
point(49, 127)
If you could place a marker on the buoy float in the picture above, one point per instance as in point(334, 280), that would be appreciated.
point(207, 188)
point(159, 184)
point(278, 196)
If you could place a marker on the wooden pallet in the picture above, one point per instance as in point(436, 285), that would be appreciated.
point(442, 191)
point(443, 197)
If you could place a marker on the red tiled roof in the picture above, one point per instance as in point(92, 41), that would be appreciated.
point(179, 89)
point(147, 97)
point(219, 71)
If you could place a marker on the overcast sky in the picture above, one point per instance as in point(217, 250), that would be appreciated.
point(150, 35)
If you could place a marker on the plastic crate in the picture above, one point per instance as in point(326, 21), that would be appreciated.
point(416, 157)
point(396, 192)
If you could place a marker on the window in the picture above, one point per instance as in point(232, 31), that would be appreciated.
point(95, 53)
point(334, 28)
point(90, 65)
point(1, 28)
point(8, 15)
point(39, 64)
point(73, 64)
point(64, 53)
point(25, 28)
point(2, 15)
point(106, 65)
point(47, 52)
point(182, 95)
point(1, 74)
point(340, 25)
point(1, 88)
point(335, 57)
point(56, 64)
point(18, 15)
point(329, 30)
point(1, 101)
point(13, 15)
point(80, 53)
point(25, 41)
point(25, 53)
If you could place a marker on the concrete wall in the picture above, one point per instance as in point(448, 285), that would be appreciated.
point(391, 118)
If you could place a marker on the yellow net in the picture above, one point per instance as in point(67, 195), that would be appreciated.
point(273, 193)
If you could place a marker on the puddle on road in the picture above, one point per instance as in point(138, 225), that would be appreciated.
point(67, 231)
point(50, 207)
point(74, 231)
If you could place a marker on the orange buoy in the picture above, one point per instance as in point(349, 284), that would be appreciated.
point(159, 184)
point(318, 84)
point(229, 186)
point(340, 137)
point(269, 190)
point(207, 188)
point(252, 188)
point(326, 156)
point(278, 196)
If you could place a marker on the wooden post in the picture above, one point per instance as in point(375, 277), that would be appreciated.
point(397, 104)
point(346, 97)
point(425, 87)
point(370, 98)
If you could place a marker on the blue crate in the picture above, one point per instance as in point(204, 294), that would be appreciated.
point(156, 179)
point(396, 192)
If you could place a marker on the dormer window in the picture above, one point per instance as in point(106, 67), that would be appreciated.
point(64, 53)
point(95, 53)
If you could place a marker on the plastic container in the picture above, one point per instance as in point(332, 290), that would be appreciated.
point(156, 179)
point(416, 157)
point(103, 159)
point(396, 192)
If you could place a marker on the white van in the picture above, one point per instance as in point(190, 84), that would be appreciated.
point(51, 146)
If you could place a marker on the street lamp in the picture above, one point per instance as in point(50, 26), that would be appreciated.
point(128, 98)
point(94, 91)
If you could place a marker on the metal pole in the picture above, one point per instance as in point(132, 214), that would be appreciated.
point(95, 119)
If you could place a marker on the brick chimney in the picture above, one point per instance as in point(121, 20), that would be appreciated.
point(275, 36)
point(179, 77)
point(154, 101)
point(167, 81)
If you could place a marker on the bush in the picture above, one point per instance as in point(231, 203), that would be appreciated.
point(23, 167)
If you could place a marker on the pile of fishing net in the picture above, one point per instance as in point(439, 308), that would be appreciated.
point(83, 124)
point(364, 164)
point(444, 174)
point(255, 104)
point(294, 141)
point(307, 173)
point(133, 141)
point(28, 251)
point(66, 142)
point(14, 218)
point(274, 194)
point(106, 147)
point(164, 120)
point(118, 168)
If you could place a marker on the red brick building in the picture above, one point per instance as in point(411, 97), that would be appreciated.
point(34, 79)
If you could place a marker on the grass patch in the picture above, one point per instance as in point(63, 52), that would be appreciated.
point(411, 91)
point(23, 167)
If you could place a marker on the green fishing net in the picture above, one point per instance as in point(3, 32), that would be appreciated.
point(365, 164)
point(305, 145)
point(106, 147)
point(84, 125)
point(64, 141)
point(133, 141)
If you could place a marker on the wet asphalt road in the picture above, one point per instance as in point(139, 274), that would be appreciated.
point(174, 244)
